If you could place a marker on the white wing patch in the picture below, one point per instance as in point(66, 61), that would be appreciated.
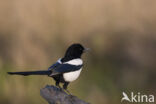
point(75, 62)
point(71, 76)
point(59, 61)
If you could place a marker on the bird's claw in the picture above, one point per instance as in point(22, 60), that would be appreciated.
point(68, 92)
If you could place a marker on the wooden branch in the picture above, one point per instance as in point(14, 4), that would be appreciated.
point(54, 95)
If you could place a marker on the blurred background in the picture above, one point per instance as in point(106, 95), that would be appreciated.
point(120, 33)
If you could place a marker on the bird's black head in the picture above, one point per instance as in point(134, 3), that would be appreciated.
point(74, 51)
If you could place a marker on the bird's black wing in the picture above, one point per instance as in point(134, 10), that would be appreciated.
point(64, 68)
point(54, 66)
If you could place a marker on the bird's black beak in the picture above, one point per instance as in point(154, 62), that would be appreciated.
point(86, 50)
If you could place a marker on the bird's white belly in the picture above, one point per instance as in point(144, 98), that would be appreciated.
point(71, 76)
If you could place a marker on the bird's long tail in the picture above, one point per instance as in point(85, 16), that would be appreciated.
point(45, 72)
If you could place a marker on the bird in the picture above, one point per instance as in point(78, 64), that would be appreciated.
point(65, 70)
point(125, 97)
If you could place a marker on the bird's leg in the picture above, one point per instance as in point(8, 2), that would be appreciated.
point(57, 84)
point(65, 87)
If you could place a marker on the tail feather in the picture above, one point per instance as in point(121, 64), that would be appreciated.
point(31, 73)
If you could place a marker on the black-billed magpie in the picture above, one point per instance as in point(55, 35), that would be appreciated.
point(65, 70)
